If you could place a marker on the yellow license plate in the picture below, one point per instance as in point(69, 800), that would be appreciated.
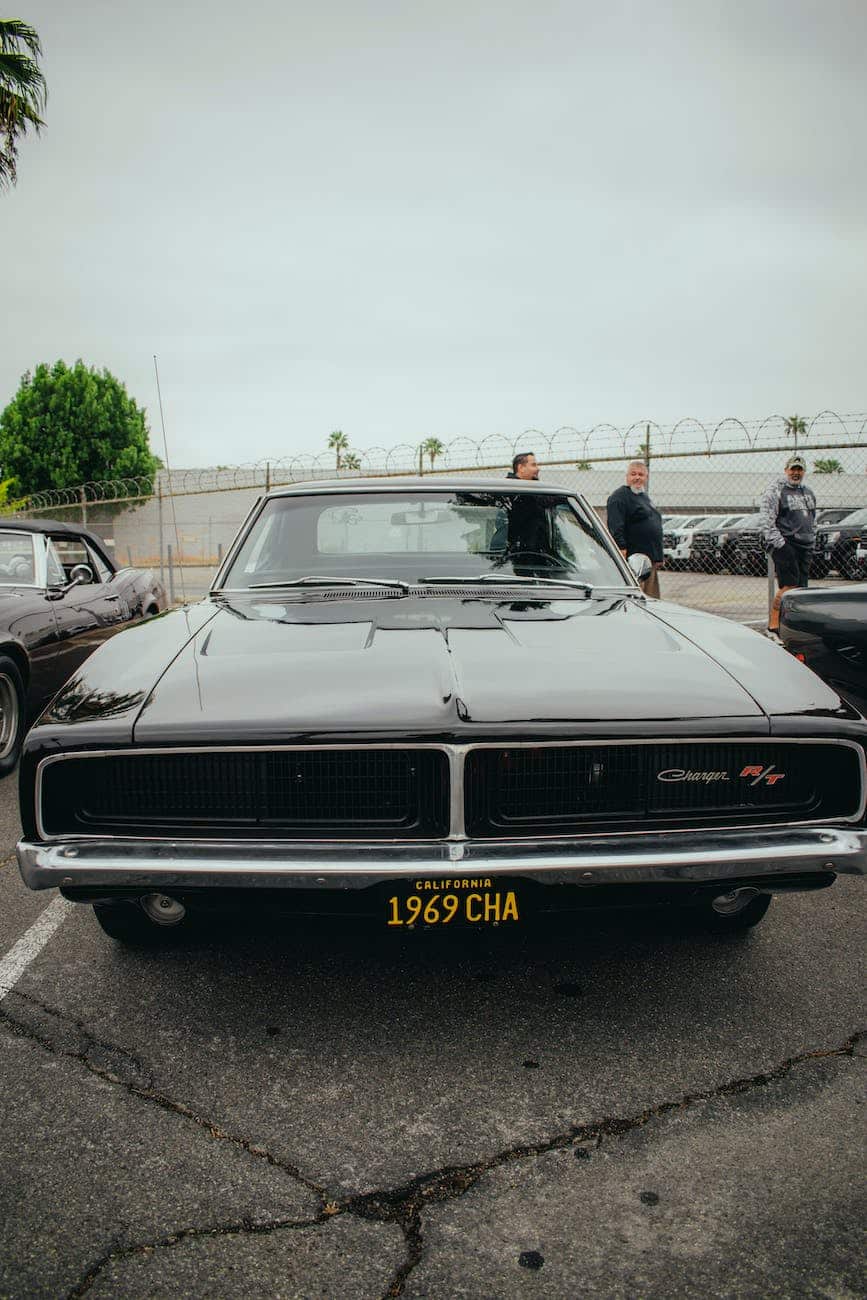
point(462, 901)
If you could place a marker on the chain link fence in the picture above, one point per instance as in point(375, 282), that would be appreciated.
point(707, 479)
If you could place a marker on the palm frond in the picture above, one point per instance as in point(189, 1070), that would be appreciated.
point(20, 76)
point(14, 33)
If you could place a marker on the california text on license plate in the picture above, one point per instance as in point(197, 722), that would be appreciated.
point(473, 900)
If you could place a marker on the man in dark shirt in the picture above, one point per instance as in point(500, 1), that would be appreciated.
point(524, 466)
point(635, 523)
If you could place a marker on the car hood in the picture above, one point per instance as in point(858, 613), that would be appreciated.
point(266, 668)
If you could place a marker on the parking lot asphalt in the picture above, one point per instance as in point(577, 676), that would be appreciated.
point(606, 1108)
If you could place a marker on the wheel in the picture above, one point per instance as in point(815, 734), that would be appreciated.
point(735, 922)
point(137, 923)
point(12, 714)
point(851, 569)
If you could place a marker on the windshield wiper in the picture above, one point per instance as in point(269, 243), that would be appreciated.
point(325, 580)
point(513, 581)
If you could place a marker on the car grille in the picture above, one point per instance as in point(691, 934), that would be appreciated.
point(395, 793)
point(531, 790)
point(297, 793)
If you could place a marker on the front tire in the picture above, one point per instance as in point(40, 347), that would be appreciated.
point(12, 714)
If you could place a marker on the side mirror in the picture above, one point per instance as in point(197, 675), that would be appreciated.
point(640, 565)
point(80, 575)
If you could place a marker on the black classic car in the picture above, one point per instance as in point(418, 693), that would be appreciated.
point(826, 628)
point(60, 597)
point(437, 702)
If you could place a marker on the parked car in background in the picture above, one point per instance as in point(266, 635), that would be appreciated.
point(747, 552)
point(845, 542)
point(60, 597)
point(435, 702)
point(707, 543)
point(677, 540)
point(826, 628)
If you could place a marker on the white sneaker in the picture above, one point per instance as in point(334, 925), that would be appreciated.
point(773, 636)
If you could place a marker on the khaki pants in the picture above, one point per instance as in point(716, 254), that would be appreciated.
point(650, 585)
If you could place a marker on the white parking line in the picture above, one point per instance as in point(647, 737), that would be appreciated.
point(31, 943)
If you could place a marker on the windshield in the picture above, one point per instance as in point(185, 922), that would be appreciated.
point(17, 566)
point(416, 536)
point(857, 517)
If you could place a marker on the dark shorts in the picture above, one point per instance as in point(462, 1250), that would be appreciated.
point(792, 564)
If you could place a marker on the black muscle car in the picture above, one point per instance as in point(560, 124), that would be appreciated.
point(60, 597)
point(437, 702)
point(826, 628)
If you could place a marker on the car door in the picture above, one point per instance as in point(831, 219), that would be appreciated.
point(86, 614)
point(27, 616)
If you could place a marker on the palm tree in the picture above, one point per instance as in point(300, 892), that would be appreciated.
point(351, 460)
point(338, 442)
point(432, 447)
point(795, 424)
point(22, 91)
point(828, 466)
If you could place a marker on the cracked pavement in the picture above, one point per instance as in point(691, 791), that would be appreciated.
point(614, 1109)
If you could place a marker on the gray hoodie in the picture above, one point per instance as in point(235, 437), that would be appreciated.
point(788, 514)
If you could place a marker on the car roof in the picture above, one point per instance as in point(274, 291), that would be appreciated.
point(41, 526)
point(423, 483)
point(54, 526)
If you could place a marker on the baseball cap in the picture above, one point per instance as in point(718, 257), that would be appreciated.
point(796, 462)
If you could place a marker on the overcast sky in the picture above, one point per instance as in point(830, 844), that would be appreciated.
point(405, 220)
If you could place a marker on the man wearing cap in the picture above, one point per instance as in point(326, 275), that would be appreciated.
point(789, 524)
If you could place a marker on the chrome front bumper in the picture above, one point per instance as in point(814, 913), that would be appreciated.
point(685, 857)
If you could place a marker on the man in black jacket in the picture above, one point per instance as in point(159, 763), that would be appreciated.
point(635, 523)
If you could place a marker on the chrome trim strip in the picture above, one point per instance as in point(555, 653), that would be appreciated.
point(456, 755)
point(703, 857)
point(457, 818)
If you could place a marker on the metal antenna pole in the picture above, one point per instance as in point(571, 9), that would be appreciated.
point(169, 471)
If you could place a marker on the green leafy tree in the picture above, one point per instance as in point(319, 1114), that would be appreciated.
point(338, 442)
point(827, 466)
point(583, 464)
point(22, 92)
point(432, 447)
point(351, 460)
point(73, 424)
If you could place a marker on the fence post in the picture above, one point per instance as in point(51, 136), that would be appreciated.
point(421, 459)
point(83, 498)
point(160, 527)
point(267, 476)
point(171, 576)
point(219, 554)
